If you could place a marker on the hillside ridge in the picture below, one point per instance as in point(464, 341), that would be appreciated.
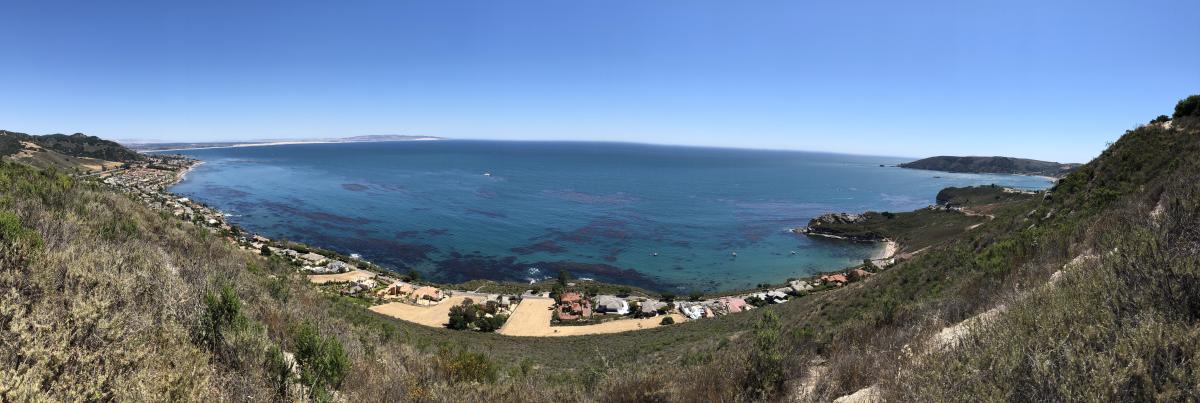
point(992, 165)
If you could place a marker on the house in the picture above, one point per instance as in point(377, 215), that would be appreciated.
point(860, 273)
point(572, 306)
point(398, 288)
point(612, 304)
point(693, 312)
point(798, 286)
point(360, 285)
point(838, 279)
point(732, 304)
point(427, 293)
point(338, 266)
point(651, 307)
point(315, 259)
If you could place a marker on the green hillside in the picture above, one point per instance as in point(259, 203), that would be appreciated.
point(76, 152)
point(991, 165)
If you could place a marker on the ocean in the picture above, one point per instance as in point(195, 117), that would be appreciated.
point(662, 217)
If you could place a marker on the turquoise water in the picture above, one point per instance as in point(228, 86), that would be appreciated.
point(598, 210)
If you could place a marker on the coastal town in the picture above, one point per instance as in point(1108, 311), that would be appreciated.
point(569, 307)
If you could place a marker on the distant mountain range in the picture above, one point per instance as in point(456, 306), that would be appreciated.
point(165, 146)
point(992, 165)
point(71, 152)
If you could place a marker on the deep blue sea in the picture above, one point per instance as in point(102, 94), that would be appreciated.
point(457, 209)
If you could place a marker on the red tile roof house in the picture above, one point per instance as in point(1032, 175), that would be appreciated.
point(572, 306)
point(839, 278)
point(733, 305)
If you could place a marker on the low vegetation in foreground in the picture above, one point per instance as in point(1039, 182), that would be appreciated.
point(1087, 293)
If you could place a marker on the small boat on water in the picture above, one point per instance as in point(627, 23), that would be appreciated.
point(487, 174)
point(734, 254)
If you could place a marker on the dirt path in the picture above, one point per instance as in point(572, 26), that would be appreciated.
point(432, 316)
point(532, 318)
point(340, 277)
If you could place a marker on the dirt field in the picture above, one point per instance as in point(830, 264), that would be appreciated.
point(532, 318)
point(340, 277)
point(432, 316)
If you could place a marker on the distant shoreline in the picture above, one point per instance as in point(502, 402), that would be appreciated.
point(281, 143)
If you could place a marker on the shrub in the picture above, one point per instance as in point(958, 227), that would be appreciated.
point(279, 371)
point(16, 242)
point(322, 361)
point(223, 315)
point(667, 321)
point(467, 366)
point(766, 373)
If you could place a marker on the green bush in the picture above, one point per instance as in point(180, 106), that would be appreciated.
point(279, 372)
point(322, 361)
point(17, 243)
point(667, 321)
point(467, 366)
point(223, 315)
point(766, 375)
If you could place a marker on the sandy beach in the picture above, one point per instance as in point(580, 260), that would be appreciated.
point(274, 143)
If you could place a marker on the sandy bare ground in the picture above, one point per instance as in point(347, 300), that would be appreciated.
point(532, 318)
point(889, 249)
point(432, 316)
point(340, 277)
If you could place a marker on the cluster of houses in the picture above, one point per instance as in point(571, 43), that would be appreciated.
point(573, 306)
point(409, 292)
point(148, 180)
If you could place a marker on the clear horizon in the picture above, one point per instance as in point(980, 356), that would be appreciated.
point(1022, 79)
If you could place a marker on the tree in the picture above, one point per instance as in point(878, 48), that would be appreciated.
point(264, 250)
point(624, 292)
point(1160, 119)
point(486, 324)
point(667, 297)
point(413, 275)
point(463, 316)
point(695, 296)
point(1189, 106)
point(563, 277)
point(667, 321)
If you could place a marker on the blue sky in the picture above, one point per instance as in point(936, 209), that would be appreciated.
point(1021, 78)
